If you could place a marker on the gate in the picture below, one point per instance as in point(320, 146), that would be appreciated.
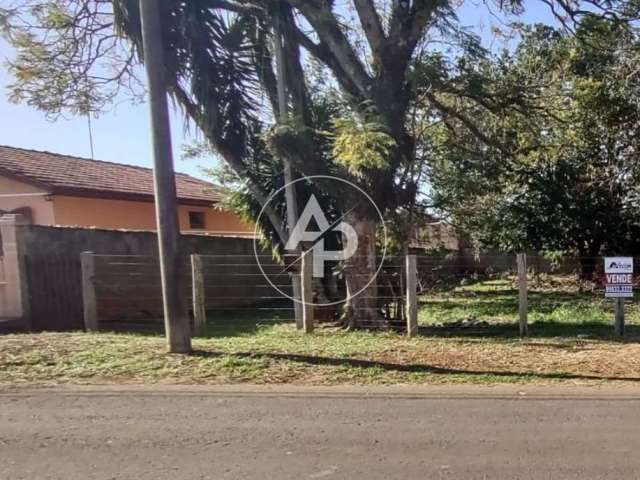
point(55, 292)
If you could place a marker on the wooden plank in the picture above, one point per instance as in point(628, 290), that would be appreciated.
point(523, 303)
point(412, 295)
point(89, 292)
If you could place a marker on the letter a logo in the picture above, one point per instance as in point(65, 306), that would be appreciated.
point(301, 234)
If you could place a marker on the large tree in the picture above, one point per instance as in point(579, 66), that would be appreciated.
point(567, 178)
point(385, 65)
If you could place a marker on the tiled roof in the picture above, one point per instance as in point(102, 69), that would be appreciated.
point(62, 174)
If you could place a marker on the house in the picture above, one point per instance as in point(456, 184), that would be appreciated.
point(52, 189)
point(432, 233)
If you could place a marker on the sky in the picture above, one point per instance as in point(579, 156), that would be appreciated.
point(123, 134)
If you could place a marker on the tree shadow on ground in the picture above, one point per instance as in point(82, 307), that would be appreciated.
point(548, 329)
point(411, 368)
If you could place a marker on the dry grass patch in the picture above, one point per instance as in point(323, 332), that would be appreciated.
point(280, 354)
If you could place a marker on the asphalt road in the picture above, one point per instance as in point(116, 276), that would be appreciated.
point(226, 433)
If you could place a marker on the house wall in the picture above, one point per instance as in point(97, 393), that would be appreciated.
point(216, 221)
point(16, 195)
point(106, 213)
point(127, 215)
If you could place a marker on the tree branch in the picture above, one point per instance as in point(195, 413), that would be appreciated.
point(468, 123)
point(372, 26)
point(322, 53)
point(422, 13)
point(319, 14)
point(407, 27)
point(296, 84)
point(264, 63)
point(236, 7)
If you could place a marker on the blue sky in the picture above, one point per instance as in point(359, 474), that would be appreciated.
point(122, 135)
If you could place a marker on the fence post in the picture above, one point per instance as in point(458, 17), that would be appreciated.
point(412, 295)
point(619, 325)
point(307, 291)
point(522, 295)
point(87, 261)
point(199, 306)
point(15, 290)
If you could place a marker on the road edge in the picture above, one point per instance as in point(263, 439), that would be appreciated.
point(573, 392)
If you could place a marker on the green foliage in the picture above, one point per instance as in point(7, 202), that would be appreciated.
point(359, 145)
point(68, 57)
point(565, 174)
point(495, 134)
point(555, 257)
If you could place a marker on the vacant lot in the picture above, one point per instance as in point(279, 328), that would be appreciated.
point(557, 304)
point(468, 335)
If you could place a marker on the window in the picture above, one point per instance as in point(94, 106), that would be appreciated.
point(196, 221)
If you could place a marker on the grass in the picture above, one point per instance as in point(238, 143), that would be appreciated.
point(553, 302)
point(572, 342)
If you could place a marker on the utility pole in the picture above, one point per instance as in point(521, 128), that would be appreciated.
point(290, 190)
point(176, 318)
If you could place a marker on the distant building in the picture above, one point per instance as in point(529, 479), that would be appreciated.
point(53, 189)
point(432, 233)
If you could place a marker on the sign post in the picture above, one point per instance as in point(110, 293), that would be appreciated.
point(619, 285)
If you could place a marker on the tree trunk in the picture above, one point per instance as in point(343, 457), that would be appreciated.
point(588, 260)
point(587, 268)
point(362, 309)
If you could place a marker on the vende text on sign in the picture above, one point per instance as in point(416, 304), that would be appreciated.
point(619, 277)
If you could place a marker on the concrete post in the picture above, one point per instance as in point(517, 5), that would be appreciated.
point(523, 303)
point(412, 295)
point(199, 306)
point(89, 303)
point(15, 288)
point(307, 291)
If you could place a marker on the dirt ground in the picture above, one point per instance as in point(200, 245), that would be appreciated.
point(283, 355)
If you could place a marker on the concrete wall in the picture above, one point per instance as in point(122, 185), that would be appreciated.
point(129, 287)
point(44, 241)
